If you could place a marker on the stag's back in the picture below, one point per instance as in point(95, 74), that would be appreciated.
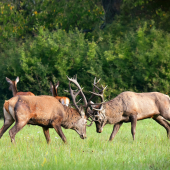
point(138, 103)
point(39, 107)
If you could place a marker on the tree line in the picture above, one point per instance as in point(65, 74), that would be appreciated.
point(43, 41)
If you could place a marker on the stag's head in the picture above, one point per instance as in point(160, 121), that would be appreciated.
point(99, 117)
point(53, 89)
point(80, 126)
point(97, 114)
point(12, 84)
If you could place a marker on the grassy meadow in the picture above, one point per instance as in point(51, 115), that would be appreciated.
point(150, 150)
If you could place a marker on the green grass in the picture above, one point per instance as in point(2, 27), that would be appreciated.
point(150, 150)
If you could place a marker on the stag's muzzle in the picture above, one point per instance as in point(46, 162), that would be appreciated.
point(99, 130)
point(83, 136)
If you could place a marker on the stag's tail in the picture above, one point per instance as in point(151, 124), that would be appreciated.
point(6, 106)
point(9, 109)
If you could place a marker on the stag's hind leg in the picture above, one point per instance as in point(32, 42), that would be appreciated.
point(22, 117)
point(16, 128)
point(5, 127)
point(47, 134)
point(8, 121)
point(115, 130)
point(164, 123)
point(133, 119)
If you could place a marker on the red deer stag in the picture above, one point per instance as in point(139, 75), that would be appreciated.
point(131, 107)
point(63, 100)
point(45, 111)
point(13, 88)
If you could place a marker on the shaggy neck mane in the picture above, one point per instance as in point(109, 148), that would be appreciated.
point(72, 115)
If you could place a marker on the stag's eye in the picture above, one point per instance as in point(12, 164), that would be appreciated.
point(96, 118)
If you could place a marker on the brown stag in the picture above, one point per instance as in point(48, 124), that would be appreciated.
point(13, 88)
point(47, 112)
point(131, 107)
point(63, 100)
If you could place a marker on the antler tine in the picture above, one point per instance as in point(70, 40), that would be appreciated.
point(94, 86)
point(97, 94)
point(98, 103)
point(80, 92)
point(78, 101)
point(98, 81)
point(75, 77)
point(90, 121)
point(66, 91)
point(73, 98)
point(95, 80)
point(100, 93)
point(69, 92)
point(97, 87)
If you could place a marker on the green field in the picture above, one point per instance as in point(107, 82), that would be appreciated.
point(150, 150)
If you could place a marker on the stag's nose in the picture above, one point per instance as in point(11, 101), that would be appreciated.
point(100, 130)
point(83, 136)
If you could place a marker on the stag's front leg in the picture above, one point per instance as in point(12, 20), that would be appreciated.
point(133, 119)
point(47, 134)
point(115, 130)
point(59, 131)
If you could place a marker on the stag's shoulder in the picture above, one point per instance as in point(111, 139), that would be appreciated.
point(126, 94)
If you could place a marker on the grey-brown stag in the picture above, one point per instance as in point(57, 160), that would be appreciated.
point(131, 107)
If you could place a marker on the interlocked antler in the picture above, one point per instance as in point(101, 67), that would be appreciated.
point(100, 94)
point(101, 91)
point(75, 93)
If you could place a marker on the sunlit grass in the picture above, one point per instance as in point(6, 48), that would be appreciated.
point(150, 150)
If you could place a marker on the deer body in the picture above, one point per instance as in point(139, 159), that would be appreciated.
point(13, 88)
point(130, 107)
point(143, 105)
point(44, 111)
point(63, 100)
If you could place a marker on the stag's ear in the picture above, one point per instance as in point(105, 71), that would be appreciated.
point(82, 111)
point(51, 84)
point(8, 80)
point(56, 86)
point(17, 80)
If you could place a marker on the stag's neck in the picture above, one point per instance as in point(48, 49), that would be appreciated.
point(113, 111)
point(14, 90)
point(71, 117)
point(53, 92)
point(56, 92)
